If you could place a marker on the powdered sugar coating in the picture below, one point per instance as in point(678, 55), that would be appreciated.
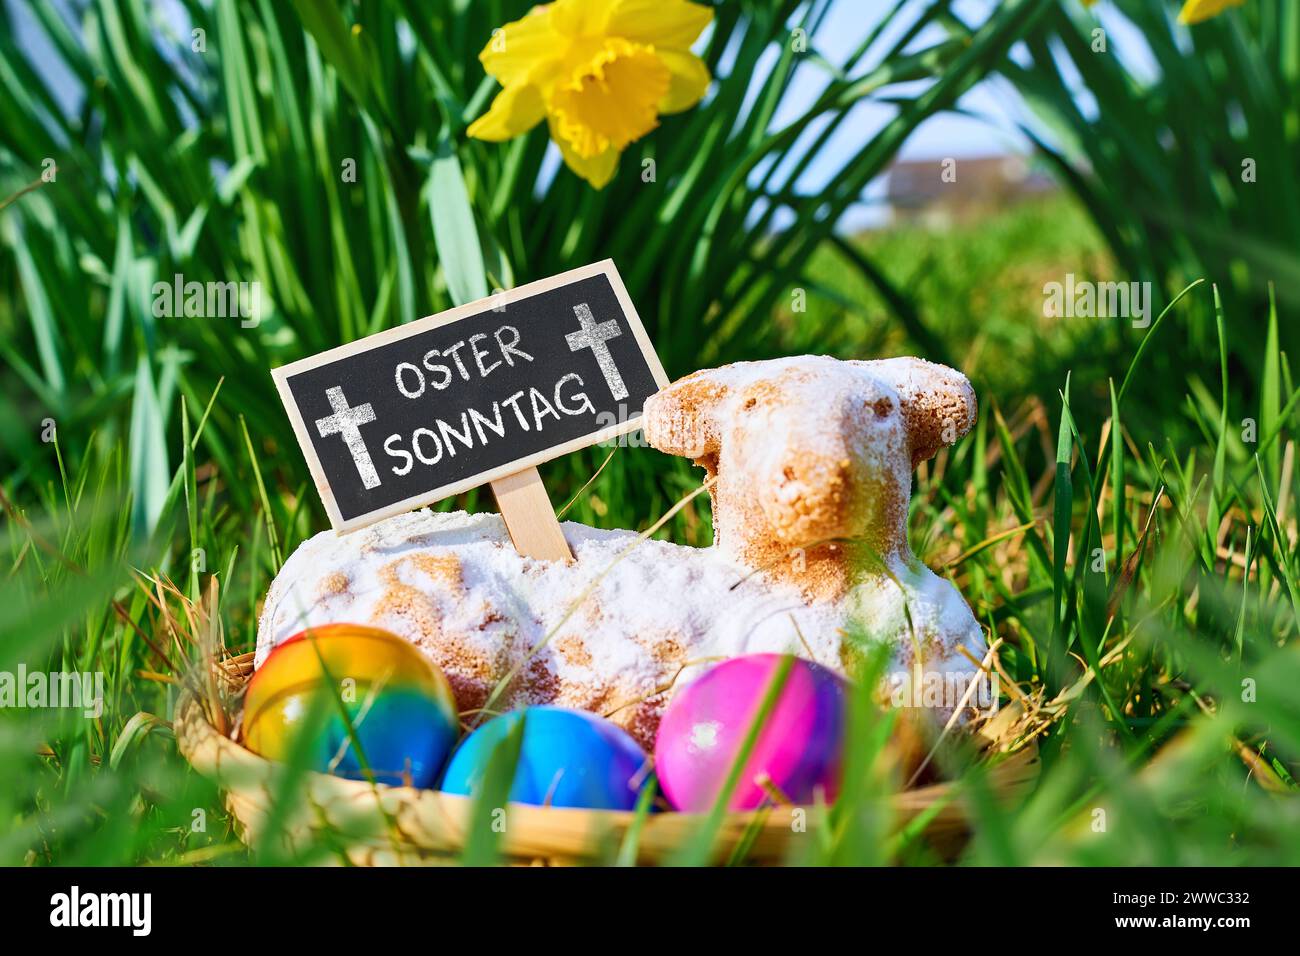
point(651, 622)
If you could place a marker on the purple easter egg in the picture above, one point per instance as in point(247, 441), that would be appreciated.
point(799, 747)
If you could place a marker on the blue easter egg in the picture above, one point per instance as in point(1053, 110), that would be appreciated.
point(568, 758)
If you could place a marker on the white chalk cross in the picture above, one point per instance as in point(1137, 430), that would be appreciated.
point(593, 336)
point(347, 422)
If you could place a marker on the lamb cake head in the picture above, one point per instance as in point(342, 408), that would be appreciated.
point(812, 457)
point(812, 460)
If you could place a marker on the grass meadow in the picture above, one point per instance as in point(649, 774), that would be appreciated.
point(1122, 519)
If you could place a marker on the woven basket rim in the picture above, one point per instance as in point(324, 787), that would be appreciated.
point(434, 822)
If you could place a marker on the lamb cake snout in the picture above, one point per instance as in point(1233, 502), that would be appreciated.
point(812, 458)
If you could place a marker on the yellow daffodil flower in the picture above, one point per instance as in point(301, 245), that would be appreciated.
point(600, 72)
point(1194, 11)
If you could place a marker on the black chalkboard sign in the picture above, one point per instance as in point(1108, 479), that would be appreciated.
point(414, 414)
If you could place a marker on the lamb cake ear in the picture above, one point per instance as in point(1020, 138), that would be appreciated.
point(937, 402)
point(682, 419)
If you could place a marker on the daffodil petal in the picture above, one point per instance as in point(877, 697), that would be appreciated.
point(1194, 11)
point(688, 80)
point(575, 18)
point(516, 110)
point(597, 170)
point(519, 48)
point(662, 23)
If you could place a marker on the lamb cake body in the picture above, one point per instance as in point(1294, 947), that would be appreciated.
point(812, 458)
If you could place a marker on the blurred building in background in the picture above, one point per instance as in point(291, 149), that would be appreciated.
point(939, 192)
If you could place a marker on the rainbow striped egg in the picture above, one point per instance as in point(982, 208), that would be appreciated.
point(400, 706)
point(798, 749)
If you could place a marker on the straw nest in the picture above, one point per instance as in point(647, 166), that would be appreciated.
point(386, 825)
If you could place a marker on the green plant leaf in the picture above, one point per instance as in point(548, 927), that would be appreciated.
point(454, 231)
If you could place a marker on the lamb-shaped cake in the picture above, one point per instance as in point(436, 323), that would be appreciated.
point(812, 461)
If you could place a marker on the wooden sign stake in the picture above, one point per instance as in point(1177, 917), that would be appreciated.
point(529, 516)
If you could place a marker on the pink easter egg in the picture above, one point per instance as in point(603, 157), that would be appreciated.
point(706, 723)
